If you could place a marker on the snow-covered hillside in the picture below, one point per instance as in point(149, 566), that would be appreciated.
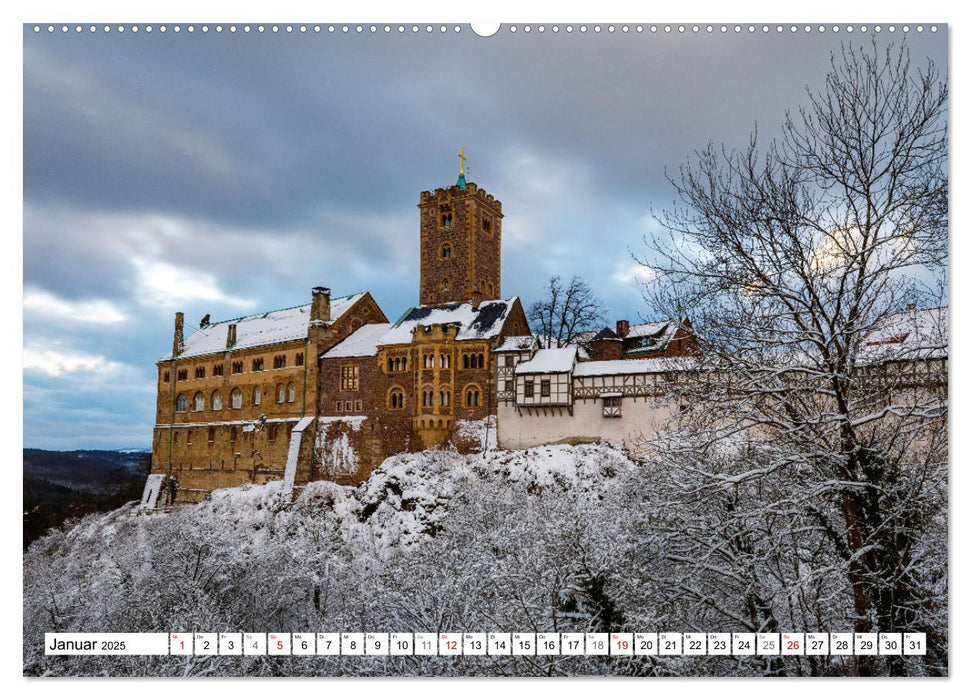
point(432, 541)
point(558, 538)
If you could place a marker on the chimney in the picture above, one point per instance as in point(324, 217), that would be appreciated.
point(476, 299)
point(231, 335)
point(320, 308)
point(178, 342)
point(623, 328)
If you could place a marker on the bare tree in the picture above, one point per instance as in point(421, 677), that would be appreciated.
point(789, 259)
point(566, 311)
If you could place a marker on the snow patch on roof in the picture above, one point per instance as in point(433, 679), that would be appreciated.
point(474, 324)
point(361, 343)
point(517, 343)
point(647, 366)
point(268, 328)
point(651, 337)
point(551, 360)
point(908, 335)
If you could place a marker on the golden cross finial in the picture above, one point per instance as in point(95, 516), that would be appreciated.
point(461, 161)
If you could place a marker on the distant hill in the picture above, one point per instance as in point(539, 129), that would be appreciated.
point(62, 485)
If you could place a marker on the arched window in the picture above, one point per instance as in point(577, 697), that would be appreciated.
point(217, 401)
point(257, 396)
point(281, 393)
point(465, 361)
point(299, 360)
point(212, 436)
point(429, 361)
point(481, 361)
point(279, 362)
point(471, 396)
point(236, 398)
point(444, 361)
point(198, 402)
point(404, 364)
point(396, 398)
point(397, 364)
point(446, 251)
point(445, 285)
point(427, 397)
point(444, 398)
point(390, 365)
point(271, 432)
point(291, 392)
point(181, 404)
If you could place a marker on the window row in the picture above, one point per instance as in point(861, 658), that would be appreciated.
point(284, 394)
point(444, 360)
point(272, 430)
point(256, 365)
point(398, 364)
point(428, 398)
point(529, 388)
point(473, 361)
point(350, 406)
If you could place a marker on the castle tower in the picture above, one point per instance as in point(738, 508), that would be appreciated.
point(461, 246)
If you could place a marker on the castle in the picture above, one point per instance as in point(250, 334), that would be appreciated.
point(329, 389)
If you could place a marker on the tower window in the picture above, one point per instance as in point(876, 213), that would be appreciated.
point(472, 397)
point(446, 216)
point(487, 224)
point(446, 251)
point(396, 398)
point(445, 286)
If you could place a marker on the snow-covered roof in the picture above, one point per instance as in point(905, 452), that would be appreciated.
point(549, 361)
point(652, 365)
point(516, 343)
point(260, 329)
point(651, 337)
point(908, 335)
point(474, 324)
point(361, 343)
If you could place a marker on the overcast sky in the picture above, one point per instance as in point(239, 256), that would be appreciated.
point(230, 173)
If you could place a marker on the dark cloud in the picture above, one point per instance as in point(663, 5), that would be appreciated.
point(224, 173)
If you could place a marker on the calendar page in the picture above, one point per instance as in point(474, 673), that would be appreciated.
point(525, 349)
